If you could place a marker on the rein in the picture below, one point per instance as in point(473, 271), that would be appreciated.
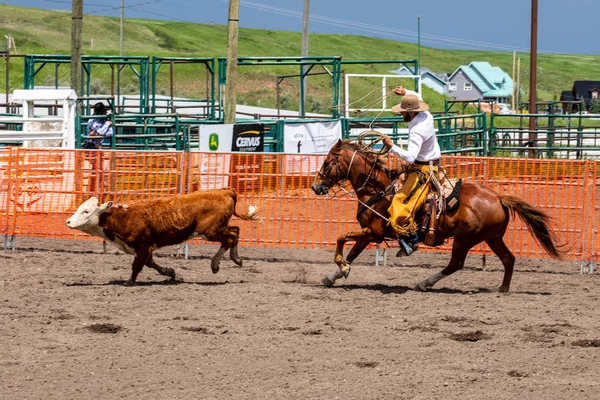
point(365, 205)
point(374, 167)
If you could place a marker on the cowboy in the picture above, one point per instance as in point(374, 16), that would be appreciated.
point(423, 153)
point(100, 127)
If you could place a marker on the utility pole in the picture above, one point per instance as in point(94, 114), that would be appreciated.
point(518, 101)
point(76, 43)
point(533, 70)
point(305, 19)
point(232, 42)
point(122, 21)
point(7, 71)
point(512, 100)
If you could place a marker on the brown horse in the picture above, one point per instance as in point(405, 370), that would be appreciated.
point(482, 215)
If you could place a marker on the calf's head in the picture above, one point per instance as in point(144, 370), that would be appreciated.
point(87, 216)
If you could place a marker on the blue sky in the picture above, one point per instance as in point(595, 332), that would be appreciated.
point(564, 26)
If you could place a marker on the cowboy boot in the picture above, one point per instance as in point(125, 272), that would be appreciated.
point(408, 245)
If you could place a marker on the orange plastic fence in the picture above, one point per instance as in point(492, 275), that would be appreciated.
point(41, 188)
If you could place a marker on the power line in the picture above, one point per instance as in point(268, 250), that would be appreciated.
point(69, 2)
point(384, 31)
point(164, 16)
point(68, 15)
point(371, 29)
point(129, 6)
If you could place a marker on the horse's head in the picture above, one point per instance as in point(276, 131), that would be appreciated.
point(346, 161)
point(333, 171)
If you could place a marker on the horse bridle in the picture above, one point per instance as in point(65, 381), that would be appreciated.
point(338, 168)
point(325, 173)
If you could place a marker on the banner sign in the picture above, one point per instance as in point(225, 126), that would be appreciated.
point(216, 138)
point(248, 138)
point(246, 172)
point(302, 165)
point(213, 171)
point(311, 138)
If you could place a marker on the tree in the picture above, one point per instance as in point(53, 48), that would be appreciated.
point(595, 106)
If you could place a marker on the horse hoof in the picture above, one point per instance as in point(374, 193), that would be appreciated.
point(346, 273)
point(327, 282)
point(421, 287)
point(503, 289)
point(237, 261)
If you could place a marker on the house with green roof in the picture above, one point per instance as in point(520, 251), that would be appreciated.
point(480, 81)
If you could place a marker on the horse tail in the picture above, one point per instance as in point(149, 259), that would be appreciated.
point(538, 223)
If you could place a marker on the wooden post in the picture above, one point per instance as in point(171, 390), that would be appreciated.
point(533, 71)
point(513, 80)
point(305, 19)
point(518, 83)
point(76, 43)
point(121, 40)
point(230, 79)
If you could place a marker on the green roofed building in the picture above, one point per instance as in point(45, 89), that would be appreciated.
point(480, 81)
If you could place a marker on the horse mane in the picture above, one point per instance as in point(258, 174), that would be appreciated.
point(379, 162)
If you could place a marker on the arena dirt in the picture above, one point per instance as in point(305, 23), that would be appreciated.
point(70, 329)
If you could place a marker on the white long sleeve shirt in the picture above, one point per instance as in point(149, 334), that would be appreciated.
point(422, 143)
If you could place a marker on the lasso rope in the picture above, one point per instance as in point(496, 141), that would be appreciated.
point(368, 105)
point(339, 107)
point(367, 140)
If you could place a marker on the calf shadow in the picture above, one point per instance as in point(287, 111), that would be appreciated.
point(378, 287)
point(149, 283)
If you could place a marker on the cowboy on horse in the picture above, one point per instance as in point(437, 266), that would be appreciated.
point(471, 214)
point(423, 153)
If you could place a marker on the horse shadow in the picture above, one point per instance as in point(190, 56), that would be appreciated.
point(400, 289)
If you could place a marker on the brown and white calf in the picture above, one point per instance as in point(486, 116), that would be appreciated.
point(144, 226)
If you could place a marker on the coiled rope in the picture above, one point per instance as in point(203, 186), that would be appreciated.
point(367, 140)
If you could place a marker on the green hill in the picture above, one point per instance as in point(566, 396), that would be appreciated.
point(44, 32)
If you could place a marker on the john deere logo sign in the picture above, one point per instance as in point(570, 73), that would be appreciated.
point(213, 142)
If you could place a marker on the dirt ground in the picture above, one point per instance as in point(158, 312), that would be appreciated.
point(70, 329)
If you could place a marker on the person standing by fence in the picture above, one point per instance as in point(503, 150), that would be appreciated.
point(98, 129)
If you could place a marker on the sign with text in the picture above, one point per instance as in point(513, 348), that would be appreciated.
point(311, 138)
point(214, 171)
point(246, 172)
point(248, 138)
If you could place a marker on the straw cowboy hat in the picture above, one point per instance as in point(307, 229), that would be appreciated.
point(410, 103)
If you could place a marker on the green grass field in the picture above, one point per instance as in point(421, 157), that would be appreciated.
point(46, 32)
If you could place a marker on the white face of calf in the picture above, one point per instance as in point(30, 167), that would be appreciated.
point(87, 217)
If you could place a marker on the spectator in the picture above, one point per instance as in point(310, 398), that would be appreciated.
point(98, 129)
point(101, 127)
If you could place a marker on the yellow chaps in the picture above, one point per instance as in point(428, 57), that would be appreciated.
point(410, 198)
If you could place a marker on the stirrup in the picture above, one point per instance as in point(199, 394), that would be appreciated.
point(407, 248)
